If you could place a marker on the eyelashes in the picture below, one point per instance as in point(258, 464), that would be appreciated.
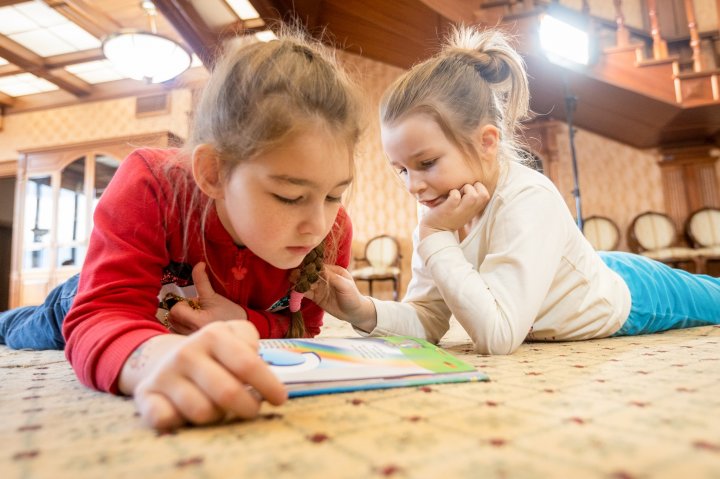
point(295, 201)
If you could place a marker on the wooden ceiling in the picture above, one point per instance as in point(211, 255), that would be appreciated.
point(396, 32)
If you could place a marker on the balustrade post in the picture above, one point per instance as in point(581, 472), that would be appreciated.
point(622, 34)
point(694, 36)
point(659, 45)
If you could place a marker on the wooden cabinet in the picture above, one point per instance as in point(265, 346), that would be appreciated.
point(56, 194)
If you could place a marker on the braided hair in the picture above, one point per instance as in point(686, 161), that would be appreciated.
point(303, 277)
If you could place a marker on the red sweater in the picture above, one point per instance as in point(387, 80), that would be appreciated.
point(137, 245)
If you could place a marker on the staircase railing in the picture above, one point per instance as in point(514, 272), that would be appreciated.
point(688, 63)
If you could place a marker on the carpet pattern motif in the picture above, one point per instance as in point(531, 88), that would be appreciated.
point(620, 408)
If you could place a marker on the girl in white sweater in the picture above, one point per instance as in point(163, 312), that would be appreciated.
point(496, 245)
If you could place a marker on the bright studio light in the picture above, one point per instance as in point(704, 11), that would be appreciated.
point(146, 56)
point(563, 42)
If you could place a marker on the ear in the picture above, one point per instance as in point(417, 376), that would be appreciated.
point(488, 137)
point(206, 170)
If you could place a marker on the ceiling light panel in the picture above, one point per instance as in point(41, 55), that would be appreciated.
point(243, 9)
point(25, 84)
point(42, 30)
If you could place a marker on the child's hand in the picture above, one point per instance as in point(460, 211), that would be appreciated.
point(202, 378)
point(460, 207)
point(185, 319)
point(338, 294)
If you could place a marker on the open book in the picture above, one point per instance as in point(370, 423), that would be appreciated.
point(331, 365)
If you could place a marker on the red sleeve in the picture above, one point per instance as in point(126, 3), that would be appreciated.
point(114, 310)
point(269, 325)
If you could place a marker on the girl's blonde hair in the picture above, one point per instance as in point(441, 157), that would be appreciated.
point(259, 95)
point(477, 78)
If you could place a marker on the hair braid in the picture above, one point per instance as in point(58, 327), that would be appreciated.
point(303, 278)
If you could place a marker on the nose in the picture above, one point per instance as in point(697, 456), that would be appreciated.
point(414, 183)
point(317, 219)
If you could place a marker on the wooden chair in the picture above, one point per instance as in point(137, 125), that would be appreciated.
point(703, 229)
point(382, 256)
point(654, 235)
point(602, 233)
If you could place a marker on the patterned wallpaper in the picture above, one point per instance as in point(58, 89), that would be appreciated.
point(379, 203)
point(616, 180)
point(87, 122)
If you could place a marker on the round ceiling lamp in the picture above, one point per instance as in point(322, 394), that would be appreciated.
point(144, 55)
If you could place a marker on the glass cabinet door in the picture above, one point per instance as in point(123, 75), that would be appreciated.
point(38, 222)
point(58, 220)
point(72, 215)
point(105, 168)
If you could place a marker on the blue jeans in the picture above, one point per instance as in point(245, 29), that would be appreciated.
point(39, 327)
point(664, 298)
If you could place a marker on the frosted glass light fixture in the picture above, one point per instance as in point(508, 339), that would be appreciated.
point(144, 55)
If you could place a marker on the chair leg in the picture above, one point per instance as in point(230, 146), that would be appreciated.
point(370, 286)
point(395, 289)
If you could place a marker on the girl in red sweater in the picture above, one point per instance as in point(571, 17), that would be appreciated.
point(195, 252)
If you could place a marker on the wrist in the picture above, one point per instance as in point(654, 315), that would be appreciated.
point(144, 359)
point(426, 231)
point(367, 317)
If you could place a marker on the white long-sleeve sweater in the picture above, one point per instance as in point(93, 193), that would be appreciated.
point(524, 271)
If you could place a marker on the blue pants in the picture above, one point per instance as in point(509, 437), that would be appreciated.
point(662, 297)
point(39, 327)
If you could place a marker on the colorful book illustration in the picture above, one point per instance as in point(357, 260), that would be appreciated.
point(331, 365)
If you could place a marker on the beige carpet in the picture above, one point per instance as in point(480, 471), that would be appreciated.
point(629, 408)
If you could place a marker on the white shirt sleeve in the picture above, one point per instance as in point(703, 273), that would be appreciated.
point(497, 300)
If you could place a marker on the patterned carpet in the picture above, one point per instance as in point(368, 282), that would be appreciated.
point(621, 408)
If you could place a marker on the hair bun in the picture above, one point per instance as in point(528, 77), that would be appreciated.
point(492, 68)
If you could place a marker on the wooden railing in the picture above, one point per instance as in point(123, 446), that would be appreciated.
point(690, 59)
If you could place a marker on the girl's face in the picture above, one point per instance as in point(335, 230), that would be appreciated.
point(283, 203)
point(429, 164)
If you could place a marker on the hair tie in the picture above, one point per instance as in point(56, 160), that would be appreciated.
point(295, 300)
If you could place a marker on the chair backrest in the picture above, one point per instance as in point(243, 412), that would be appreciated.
point(602, 233)
point(703, 227)
point(652, 230)
point(382, 251)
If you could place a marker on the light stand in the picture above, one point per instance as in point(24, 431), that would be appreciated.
point(570, 106)
point(565, 40)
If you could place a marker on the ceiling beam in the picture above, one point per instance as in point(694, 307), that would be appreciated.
point(30, 61)
point(183, 16)
point(72, 58)
point(192, 78)
point(86, 16)
point(58, 61)
point(7, 3)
